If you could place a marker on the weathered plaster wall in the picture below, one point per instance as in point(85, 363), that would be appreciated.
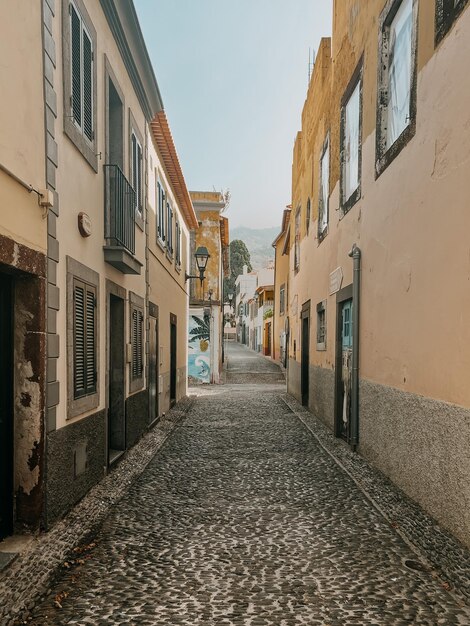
point(22, 143)
point(411, 226)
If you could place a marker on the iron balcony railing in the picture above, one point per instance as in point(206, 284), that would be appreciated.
point(119, 209)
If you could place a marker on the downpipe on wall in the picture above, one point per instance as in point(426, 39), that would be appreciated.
point(355, 254)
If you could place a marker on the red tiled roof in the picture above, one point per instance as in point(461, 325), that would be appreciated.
point(166, 148)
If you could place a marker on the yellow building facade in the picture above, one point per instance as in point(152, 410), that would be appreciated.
point(377, 259)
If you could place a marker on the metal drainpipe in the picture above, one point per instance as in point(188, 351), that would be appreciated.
point(355, 254)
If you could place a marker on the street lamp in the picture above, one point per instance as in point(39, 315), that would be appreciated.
point(230, 298)
point(202, 256)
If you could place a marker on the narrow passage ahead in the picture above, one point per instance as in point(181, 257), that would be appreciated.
point(243, 518)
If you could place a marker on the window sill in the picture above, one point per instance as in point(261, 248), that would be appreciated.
point(322, 235)
point(350, 202)
point(161, 244)
point(386, 158)
point(139, 219)
point(321, 347)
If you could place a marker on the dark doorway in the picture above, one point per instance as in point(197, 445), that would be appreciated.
point(343, 367)
point(305, 354)
point(153, 370)
point(172, 359)
point(6, 407)
point(116, 393)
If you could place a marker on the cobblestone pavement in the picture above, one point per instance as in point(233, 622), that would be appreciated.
point(243, 518)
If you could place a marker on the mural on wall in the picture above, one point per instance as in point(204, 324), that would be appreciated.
point(199, 349)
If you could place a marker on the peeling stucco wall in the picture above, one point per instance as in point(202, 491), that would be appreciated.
point(29, 397)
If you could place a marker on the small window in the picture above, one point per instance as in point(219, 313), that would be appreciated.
point(307, 217)
point(82, 59)
point(84, 339)
point(282, 299)
point(397, 80)
point(177, 244)
point(79, 80)
point(447, 11)
point(323, 205)
point(136, 171)
point(169, 226)
point(297, 241)
point(351, 121)
point(321, 326)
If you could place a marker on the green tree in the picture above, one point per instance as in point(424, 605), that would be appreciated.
point(239, 256)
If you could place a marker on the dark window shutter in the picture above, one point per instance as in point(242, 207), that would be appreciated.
point(137, 343)
point(90, 340)
point(79, 351)
point(159, 201)
point(140, 326)
point(84, 339)
point(76, 65)
point(87, 86)
point(163, 216)
point(134, 343)
point(139, 178)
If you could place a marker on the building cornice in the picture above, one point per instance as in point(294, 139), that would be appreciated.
point(124, 25)
point(165, 146)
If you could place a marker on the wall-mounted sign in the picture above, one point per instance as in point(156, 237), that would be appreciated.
point(336, 280)
point(84, 224)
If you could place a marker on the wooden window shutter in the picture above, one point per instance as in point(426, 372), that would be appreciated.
point(159, 202)
point(79, 339)
point(84, 339)
point(137, 343)
point(87, 86)
point(76, 65)
point(139, 178)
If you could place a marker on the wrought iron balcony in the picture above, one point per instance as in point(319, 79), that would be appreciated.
point(120, 221)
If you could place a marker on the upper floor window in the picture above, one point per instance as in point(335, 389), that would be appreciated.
point(160, 213)
point(177, 244)
point(324, 196)
point(79, 48)
point(397, 80)
point(282, 299)
point(297, 240)
point(169, 226)
point(136, 171)
point(82, 58)
point(307, 217)
point(351, 142)
point(447, 11)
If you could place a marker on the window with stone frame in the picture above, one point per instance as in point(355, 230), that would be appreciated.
point(351, 142)
point(447, 11)
point(79, 65)
point(324, 195)
point(177, 244)
point(82, 338)
point(282, 299)
point(161, 203)
point(307, 217)
point(396, 104)
point(169, 228)
point(136, 172)
point(321, 326)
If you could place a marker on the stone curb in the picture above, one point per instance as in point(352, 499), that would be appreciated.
point(442, 551)
point(28, 578)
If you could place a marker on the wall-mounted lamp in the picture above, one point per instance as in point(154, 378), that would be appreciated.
point(230, 299)
point(202, 256)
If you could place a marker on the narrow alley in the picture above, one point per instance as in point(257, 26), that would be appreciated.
point(244, 518)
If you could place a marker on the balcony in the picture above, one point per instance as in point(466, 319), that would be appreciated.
point(120, 222)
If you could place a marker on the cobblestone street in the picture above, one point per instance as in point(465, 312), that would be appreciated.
point(243, 518)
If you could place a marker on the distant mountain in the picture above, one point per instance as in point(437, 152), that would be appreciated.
point(258, 241)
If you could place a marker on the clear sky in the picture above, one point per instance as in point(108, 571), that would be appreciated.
point(233, 77)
